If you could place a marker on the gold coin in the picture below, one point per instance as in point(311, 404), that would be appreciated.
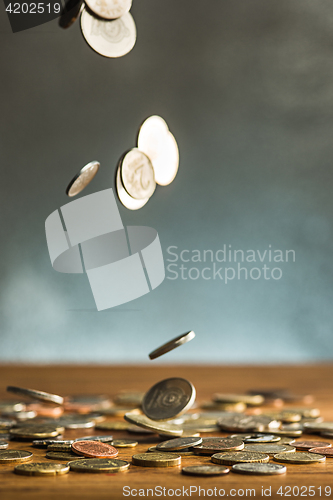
point(239, 457)
point(95, 465)
point(10, 456)
point(284, 415)
point(239, 398)
point(83, 178)
point(270, 449)
point(305, 412)
point(161, 459)
point(184, 452)
point(61, 455)
point(41, 469)
point(36, 432)
point(299, 458)
point(158, 427)
point(112, 426)
point(59, 447)
point(124, 443)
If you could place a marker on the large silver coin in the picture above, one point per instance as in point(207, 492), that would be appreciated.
point(125, 198)
point(168, 398)
point(259, 469)
point(83, 178)
point(109, 38)
point(172, 344)
point(137, 174)
point(109, 9)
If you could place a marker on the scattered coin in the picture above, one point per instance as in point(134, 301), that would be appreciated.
point(10, 456)
point(41, 469)
point(102, 439)
point(35, 432)
point(328, 452)
point(239, 398)
point(184, 452)
point(259, 469)
point(11, 407)
point(137, 174)
point(95, 465)
point(112, 9)
point(39, 395)
point(112, 426)
point(270, 449)
point(179, 443)
point(44, 443)
point(86, 403)
point(306, 445)
point(243, 423)
point(22, 415)
point(205, 470)
point(199, 427)
point(318, 427)
point(62, 455)
point(60, 447)
point(286, 432)
point(305, 412)
point(235, 407)
point(3, 445)
point(161, 459)
point(288, 416)
point(77, 421)
point(129, 399)
point(232, 458)
point(6, 423)
point(118, 411)
point(299, 458)
point(158, 427)
point(94, 449)
point(168, 398)
point(212, 445)
point(327, 434)
point(43, 410)
point(172, 344)
point(124, 443)
point(262, 438)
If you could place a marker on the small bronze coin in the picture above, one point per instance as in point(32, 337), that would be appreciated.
point(39, 395)
point(41, 469)
point(179, 443)
point(94, 449)
point(299, 458)
point(270, 449)
point(239, 457)
point(172, 344)
point(161, 459)
point(3, 445)
point(328, 452)
point(62, 455)
point(124, 443)
point(259, 469)
point(212, 445)
point(307, 445)
point(10, 456)
point(158, 427)
point(32, 432)
point(205, 470)
point(95, 465)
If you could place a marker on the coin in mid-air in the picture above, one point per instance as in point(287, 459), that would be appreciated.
point(156, 459)
point(212, 445)
point(178, 443)
point(95, 465)
point(109, 38)
point(328, 452)
point(168, 398)
point(205, 470)
point(137, 174)
point(239, 457)
point(259, 469)
point(299, 458)
point(109, 9)
point(39, 395)
point(83, 178)
point(11, 456)
point(158, 143)
point(41, 469)
point(125, 198)
point(270, 449)
point(172, 344)
point(70, 13)
point(306, 445)
point(94, 449)
point(159, 427)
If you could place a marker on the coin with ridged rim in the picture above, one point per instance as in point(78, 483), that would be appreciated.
point(137, 174)
point(212, 445)
point(179, 443)
point(41, 469)
point(306, 445)
point(205, 470)
point(59, 447)
point(39, 395)
point(83, 178)
point(172, 344)
point(270, 449)
point(44, 443)
point(9, 456)
point(102, 439)
point(239, 457)
point(94, 449)
point(158, 427)
point(156, 459)
point(299, 457)
point(262, 438)
point(259, 469)
point(95, 465)
point(62, 455)
point(168, 398)
point(109, 9)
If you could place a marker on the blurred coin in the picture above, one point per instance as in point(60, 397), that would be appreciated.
point(6, 423)
point(205, 470)
point(35, 432)
point(168, 398)
point(125, 198)
point(199, 427)
point(239, 398)
point(283, 394)
point(299, 458)
point(21, 415)
point(232, 458)
point(83, 178)
point(109, 9)
point(231, 407)
point(160, 459)
point(10, 456)
point(124, 443)
point(39, 395)
point(243, 423)
point(184, 452)
point(109, 38)
point(284, 415)
point(94, 449)
point(129, 399)
point(70, 13)
point(44, 410)
point(102, 439)
point(76, 422)
point(119, 411)
point(62, 455)
point(60, 447)
point(318, 427)
point(262, 438)
point(286, 432)
point(259, 469)
point(41, 469)
point(4, 436)
point(328, 451)
point(138, 430)
point(327, 434)
point(270, 449)
point(178, 443)
point(11, 406)
point(172, 344)
point(3, 445)
point(305, 412)
point(212, 445)
point(137, 174)
point(306, 445)
point(112, 426)
point(95, 465)
point(44, 443)
point(147, 423)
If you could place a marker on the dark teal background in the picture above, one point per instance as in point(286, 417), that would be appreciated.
point(247, 89)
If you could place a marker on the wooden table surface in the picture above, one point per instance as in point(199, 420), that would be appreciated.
point(66, 380)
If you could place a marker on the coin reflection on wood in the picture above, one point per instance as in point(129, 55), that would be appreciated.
point(113, 38)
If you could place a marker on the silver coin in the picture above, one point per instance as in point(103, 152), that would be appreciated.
point(262, 438)
point(179, 443)
point(102, 439)
point(109, 38)
point(259, 469)
point(3, 445)
point(172, 344)
point(205, 470)
point(125, 198)
point(270, 449)
point(39, 395)
point(83, 178)
point(137, 174)
point(109, 9)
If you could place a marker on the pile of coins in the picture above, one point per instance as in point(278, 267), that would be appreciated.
point(244, 433)
point(107, 26)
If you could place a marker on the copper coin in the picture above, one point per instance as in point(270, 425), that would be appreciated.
point(328, 452)
point(94, 449)
point(307, 445)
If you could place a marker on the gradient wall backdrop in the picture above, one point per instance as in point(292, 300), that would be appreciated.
point(247, 89)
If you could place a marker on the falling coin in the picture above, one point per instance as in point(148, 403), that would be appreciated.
point(239, 457)
point(41, 469)
point(94, 449)
point(70, 13)
point(172, 344)
point(158, 427)
point(39, 395)
point(125, 198)
point(299, 458)
point(96, 465)
point(137, 174)
point(156, 459)
point(259, 469)
point(83, 178)
point(10, 456)
point(109, 38)
point(205, 470)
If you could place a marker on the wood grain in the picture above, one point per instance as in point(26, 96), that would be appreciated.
point(65, 380)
